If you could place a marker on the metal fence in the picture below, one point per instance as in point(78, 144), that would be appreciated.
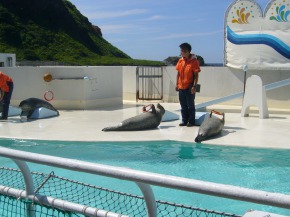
point(65, 197)
point(149, 83)
point(73, 197)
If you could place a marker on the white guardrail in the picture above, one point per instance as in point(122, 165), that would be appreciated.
point(142, 179)
point(268, 87)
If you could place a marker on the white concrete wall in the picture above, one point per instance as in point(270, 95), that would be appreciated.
point(215, 82)
point(4, 59)
point(71, 91)
point(109, 86)
point(129, 82)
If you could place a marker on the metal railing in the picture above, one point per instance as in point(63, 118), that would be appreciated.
point(144, 180)
point(268, 87)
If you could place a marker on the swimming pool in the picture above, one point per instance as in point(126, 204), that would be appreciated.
point(263, 169)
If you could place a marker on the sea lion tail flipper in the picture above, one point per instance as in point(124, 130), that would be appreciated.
point(109, 129)
point(149, 108)
point(218, 113)
point(153, 109)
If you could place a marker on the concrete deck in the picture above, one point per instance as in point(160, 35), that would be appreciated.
point(87, 126)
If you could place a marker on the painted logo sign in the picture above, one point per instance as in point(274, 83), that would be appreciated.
point(260, 40)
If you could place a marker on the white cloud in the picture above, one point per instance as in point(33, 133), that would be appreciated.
point(106, 15)
point(156, 17)
point(186, 35)
point(114, 28)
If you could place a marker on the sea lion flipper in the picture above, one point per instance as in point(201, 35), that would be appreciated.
point(24, 113)
point(153, 110)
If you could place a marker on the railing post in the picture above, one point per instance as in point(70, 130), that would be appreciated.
point(137, 84)
point(149, 199)
point(28, 184)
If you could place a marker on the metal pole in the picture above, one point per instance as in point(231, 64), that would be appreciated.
point(245, 68)
point(28, 185)
point(137, 83)
point(245, 74)
point(149, 199)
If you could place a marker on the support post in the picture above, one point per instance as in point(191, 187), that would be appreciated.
point(28, 185)
point(149, 199)
point(245, 68)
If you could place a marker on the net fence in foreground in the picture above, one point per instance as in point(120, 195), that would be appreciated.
point(88, 195)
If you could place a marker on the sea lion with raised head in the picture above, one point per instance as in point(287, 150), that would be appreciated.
point(210, 127)
point(149, 119)
point(29, 105)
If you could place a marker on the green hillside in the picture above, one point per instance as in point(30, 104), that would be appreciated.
point(54, 30)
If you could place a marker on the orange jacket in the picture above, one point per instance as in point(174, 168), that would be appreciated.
point(186, 69)
point(3, 82)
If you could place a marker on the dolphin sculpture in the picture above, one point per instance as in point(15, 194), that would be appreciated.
point(149, 119)
point(29, 105)
point(210, 127)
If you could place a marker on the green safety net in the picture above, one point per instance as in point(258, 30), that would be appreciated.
point(84, 194)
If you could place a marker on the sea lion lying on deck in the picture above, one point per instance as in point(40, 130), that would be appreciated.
point(149, 119)
point(29, 105)
point(210, 127)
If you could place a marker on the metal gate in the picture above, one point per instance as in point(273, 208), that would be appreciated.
point(149, 83)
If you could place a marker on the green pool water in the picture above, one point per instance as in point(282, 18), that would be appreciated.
point(263, 169)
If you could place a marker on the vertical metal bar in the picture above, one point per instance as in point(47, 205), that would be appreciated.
point(146, 83)
point(142, 82)
point(137, 84)
point(149, 199)
point(28, 184)
point(161, 80)
point(153, 83)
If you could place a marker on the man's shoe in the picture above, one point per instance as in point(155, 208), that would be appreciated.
point(190, 125)
point(182, 124)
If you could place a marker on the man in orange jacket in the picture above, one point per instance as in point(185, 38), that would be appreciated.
point(186, 81)
point(6, 86)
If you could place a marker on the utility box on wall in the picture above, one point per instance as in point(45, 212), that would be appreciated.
point(7, 60)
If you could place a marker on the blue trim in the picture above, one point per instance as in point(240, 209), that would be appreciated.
point(272, 41)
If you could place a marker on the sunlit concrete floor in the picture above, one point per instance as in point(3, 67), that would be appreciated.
point(87, 125)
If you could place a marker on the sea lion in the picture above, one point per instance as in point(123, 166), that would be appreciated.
point(29, 105)
point(211, 126)
point(149, 119)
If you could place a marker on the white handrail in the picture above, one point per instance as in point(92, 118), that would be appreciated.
point(268, 87)
point(191, 185)
point(277, 84)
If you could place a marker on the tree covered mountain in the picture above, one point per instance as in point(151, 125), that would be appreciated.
point(54, 30)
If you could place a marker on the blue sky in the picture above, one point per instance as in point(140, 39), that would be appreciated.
point(153, 30)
